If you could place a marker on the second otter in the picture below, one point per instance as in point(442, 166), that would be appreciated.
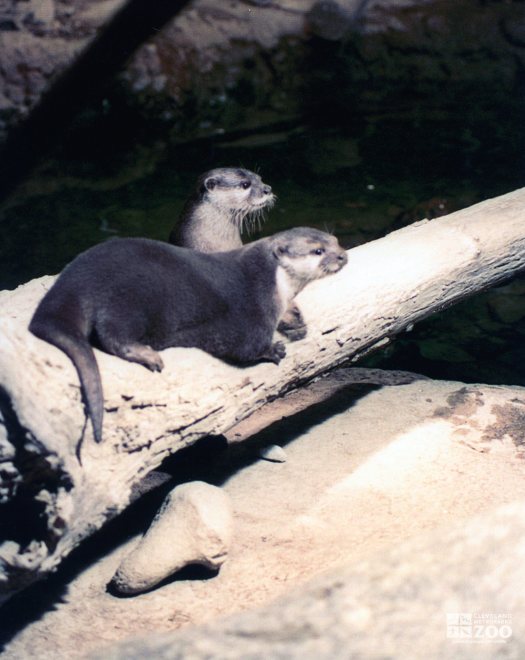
point(214, 216)
point(225, 200)
point(135, 297)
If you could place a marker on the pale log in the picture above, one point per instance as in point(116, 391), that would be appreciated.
point(50, 502)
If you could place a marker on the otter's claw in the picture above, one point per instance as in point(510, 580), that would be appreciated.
point(276, 353)
point(144, 355)
point(153, 361)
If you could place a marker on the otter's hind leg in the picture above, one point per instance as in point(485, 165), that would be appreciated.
point(113, 341)
point(141, 353)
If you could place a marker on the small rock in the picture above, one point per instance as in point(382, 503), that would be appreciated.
point(273, 453)
point(193, 526)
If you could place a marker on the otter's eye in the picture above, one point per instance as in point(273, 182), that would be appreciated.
point(246, 184)
point(318, 251)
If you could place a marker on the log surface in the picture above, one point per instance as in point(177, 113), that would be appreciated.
point(50, 502)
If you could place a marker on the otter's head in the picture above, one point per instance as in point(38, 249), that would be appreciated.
point(237, 193)
point(307, 254)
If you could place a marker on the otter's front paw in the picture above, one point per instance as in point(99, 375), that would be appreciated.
point(276, 352)
point(293, 334)
point(292, 324)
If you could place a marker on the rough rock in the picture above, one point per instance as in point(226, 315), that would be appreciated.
point(455, 594)
point(265, 62)
point(253, 56)
point(273, 453)
point(368, 470)
point(193, 526)
point(39, 39)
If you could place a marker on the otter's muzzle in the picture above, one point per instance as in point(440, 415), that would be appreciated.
point(333, 262)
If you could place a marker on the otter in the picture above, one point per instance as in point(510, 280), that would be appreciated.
point(226, 201)
point(212, 220)
point(133, 297)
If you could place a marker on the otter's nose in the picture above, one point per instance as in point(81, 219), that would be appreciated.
point(267, 190)
point(343, 258)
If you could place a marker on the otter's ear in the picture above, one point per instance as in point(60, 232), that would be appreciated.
point(279, 250)
point(210, 183)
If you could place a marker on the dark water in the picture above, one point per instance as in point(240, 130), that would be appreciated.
point(360, 180)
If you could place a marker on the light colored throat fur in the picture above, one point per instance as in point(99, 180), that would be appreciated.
point(235, 210)
point(214, 220)
point(240, 213)
point(286, 289)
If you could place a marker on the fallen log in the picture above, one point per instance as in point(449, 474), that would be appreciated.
point(49, 502)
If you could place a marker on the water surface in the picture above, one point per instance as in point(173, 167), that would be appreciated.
point(359, 180)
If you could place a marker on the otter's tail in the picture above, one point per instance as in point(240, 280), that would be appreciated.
point(79, 351)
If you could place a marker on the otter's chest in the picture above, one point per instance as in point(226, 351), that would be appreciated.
point(284, 290)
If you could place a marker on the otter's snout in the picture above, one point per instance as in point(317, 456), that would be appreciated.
point(334, 261)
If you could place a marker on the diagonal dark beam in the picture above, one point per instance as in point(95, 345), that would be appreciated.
point(80, 84)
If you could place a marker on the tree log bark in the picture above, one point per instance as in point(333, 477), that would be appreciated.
point(49, 502)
